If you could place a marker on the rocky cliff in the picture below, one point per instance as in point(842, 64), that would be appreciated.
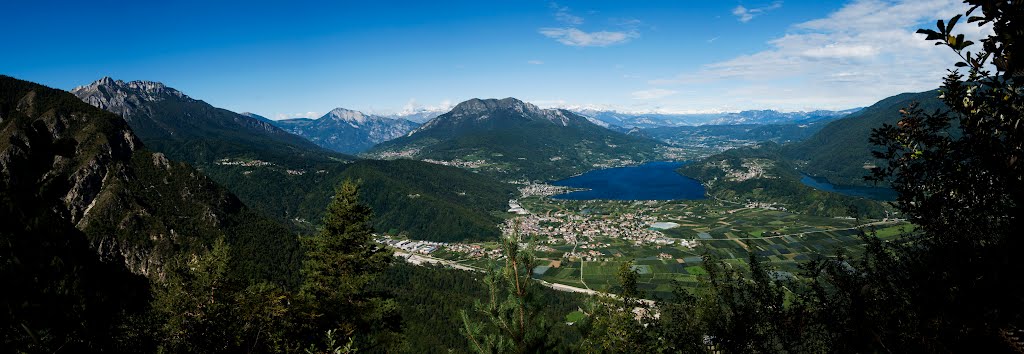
point(85, 167)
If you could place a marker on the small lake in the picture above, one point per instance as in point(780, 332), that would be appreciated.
point(651, 181)
point(876, 193)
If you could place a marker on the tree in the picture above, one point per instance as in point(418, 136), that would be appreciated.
point(623, 323)
point(953, 284)
point(194, 304)
point(513, 323)
point(740, 311)
point(341, 260)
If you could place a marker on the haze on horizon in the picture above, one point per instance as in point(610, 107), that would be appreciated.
point(285, 60)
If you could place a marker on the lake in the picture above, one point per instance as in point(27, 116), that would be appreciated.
point(651, 181)
point(876, 193)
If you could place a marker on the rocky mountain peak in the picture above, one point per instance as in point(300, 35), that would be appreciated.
point(152, 90)
point(476, 105)
point(124, 97)
point(484, 109)
point(347, 115)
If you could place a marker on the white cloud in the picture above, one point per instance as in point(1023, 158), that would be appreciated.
point(842, 51)
point(572, 36)
point(744, 14)
point(652, 94)
point(535, 62)
point(313, 115)
point(563, 15)
point(865, 51)
point(412, 106)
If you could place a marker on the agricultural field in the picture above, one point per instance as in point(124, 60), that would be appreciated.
point(583, 243)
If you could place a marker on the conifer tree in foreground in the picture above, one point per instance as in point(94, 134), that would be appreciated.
point(619, 323)
point(514, 324)
point(341, 260)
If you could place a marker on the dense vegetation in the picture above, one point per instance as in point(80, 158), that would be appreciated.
point(432, 202)
point(431, 299)
point(778, 182)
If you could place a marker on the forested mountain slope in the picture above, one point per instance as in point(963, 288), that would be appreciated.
point(841, 152)
point(88, 170)
point(512, 139)
point(291, 179)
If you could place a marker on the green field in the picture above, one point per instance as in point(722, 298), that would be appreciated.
point(725, 230)
point(574, 317)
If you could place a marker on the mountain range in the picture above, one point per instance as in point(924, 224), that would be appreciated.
point(655, 120)
point(347, 131)
point(191, 130)
point(840, 152)
point(65, 165)
point(291, 179)
point(511, 139)
point(420, 116)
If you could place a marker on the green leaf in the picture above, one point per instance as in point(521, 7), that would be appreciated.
point(952, 22)
point(931, 35)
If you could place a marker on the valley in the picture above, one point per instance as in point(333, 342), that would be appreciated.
point(504, 177)
point(581, 243)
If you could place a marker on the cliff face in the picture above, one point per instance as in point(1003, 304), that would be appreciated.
point(63, 162)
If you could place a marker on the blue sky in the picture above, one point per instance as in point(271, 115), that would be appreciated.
point(293, 58)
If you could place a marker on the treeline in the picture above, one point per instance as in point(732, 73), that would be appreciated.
point(431, 298)
point(421, 200)
point(431, 202)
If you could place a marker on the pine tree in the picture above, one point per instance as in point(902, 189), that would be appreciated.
point(194, 304)
point(341, 260)
point(622, 323)
point(514, 324)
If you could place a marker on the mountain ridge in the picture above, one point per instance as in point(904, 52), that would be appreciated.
point(135, 207)
point(192, 130)
point(347, 131)
point(511, 139)
point(841, 152)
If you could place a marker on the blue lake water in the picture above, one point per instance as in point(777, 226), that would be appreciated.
point(876, 193)
point(651, 181)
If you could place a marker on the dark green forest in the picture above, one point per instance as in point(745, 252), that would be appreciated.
point(431, 202)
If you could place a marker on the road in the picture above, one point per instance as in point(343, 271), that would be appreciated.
point(419, 259)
